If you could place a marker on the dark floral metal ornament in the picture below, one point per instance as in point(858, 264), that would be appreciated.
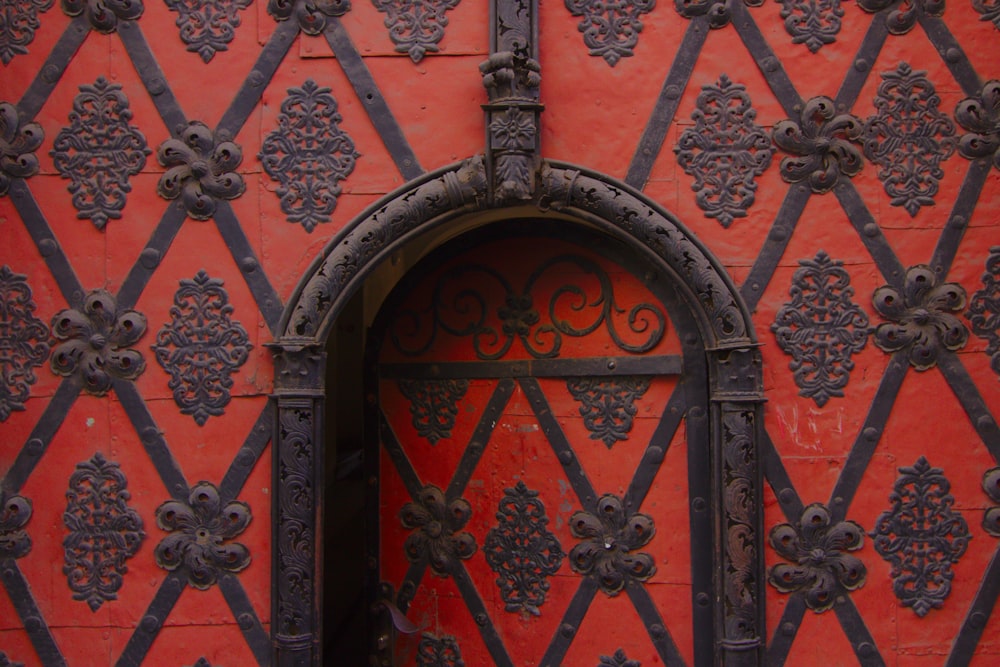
point(821, 328)
point(415, 26)
point(611, 540)
point(92, 343)
point(14, 514)
point(200, 169)
point(18, 144)
point(989, 10)
point(905, 13)
point(17, 29)
point(433, 405)
point(980, 115)
point(104, 531)
point(984, 309)
point(311, 15)
point(522, 551)
point(819, 566)
point(814, 23)
point(619, 659)
point(98, 152)
point(610, 29)
point(922, 537)
point(920, 318)
point(991, 517)
point(207, 26)
point(608, 404)
point(718, 11)
point(201, 532)
point(23, 342)
point(724, 151)
point(201, 347)
point(434, 651)
point(104, 15)
point(437, 538)
point(823, 142)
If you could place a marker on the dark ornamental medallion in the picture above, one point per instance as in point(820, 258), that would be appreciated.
point(92, 343)
point(819, 567)
point(201, 347)
point(201, 532)
point(717, 11)
point(435, 651)
point(18, 144)
point(513, 129)
point(23, 342)
point(522, 551)
point(607, 405)
point(104, 15)
point(609, 550)
point(437, 538)
point(207, 26)
point(821, 328)
point(989, 9)
point(619, 659)
point(312, 15)
point(14, 514)
point(921, 537)
point(984, 309)
point(725, 151)
point(610, 29)
point(308, 155)
point(905, 12)
point(979, 115)
point(991, 485)
point(104, 531)
point(908, 138)
point(433, 405)
point(415, 26)
point(200, 169)
point(18, 23)
point(98, 151)
point(814, 23)
point(823, 142)
point(920, 319)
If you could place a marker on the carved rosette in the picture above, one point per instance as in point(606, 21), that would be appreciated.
point(437, 538)
point(311, 15)
point(201, 532)
point(814, 23)
point(921, 320)
point(98, 151)
point(433, 405)
point(989, 10)
point(93, 341)
point(904, 13)
point(23, 342)
point(200, 169)
point(908, 138)
point(18, 143)
point(819, 566)
point(522, 551)
point(718, 12)
point(207, 26)
point(724, 151)
point(15, 511)
point(607, 405)
point(619, 659)
point(822, 142)
point(984, 309)
point(103, 531)
point(308, 155)
point(991, 517)
point(434, 651)
point(415, 26)
point(201, 347)
point(609, 550)
point(17, 34)
point(610, 29)
point(980, 115)
point(104, 15)
point(821, 328)
point(921, 537)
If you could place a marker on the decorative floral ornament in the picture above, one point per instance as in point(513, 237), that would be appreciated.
point(93, 341)
point(201, 169)
point(611, 538)
point(17, 145)
point(436, 523)
point(989, 11)
point(104, 15)
point(820, 567)
point(14, 514)
point(718, 11)
point(822, 140)
point(980, 115)
point(312, 15)
point(201, 530)
point(902, 19)
point(920, 317)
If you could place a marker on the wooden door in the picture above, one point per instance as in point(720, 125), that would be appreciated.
point(541, 431)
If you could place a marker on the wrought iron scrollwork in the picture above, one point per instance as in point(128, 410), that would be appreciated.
point(980, 115)
point(17, 33)
point(415, 26)
point(619, 659)
point(104, 15)
point(611, 539)
point(18, 143)
point(23, 342)
point(814, 23)
point(311, 15)
point(433, 405)
point(435, 651)
point(610, 29)
point(984, 309)
point(608, 404)
point(207, 26)
point(823, 142)
point(15, 511)
point(905, 13)
point(437, 538)
point(718, 11)
point(201, 167)
point(989, 10)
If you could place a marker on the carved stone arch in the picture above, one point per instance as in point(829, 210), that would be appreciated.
point(449, 197)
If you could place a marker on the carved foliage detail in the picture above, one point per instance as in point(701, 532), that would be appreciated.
point(980, 115)
point(823, 142)
point(18, 143)
point(98, 151)
point(433, 405)
point(611, 539)
point(718, 11)
point(724, 151)
point(434, 651)
point(989, 9)
point(104, 15)
point(607, 405)
point(814, 23)
point(921, 537)
point(200, 169)
point(739, 506)
point(312, 15)
point(14, 514)
point(619, 659)
point(908, 138)
point(207, 26)
point(23, 342)
point(415, 26)
point(821, 328)
point(104, 531)
point(308, 155)
point(18, 26)
point(984, 309)
point(904, 13)
point(437, 538)
point(522, 551)
point(610, 29)
point(991, 485)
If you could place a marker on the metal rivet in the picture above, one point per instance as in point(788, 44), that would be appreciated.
point(150, 258)
point(150, 623)
point(778, 234)
point(654, 455)
point(657, 631)
point(248, 264)
point(871, 230)
point(51, 73)
point(149, 434)
point(481, 619)
point(612, 365)
point(839, 500)
point(567, 630)
point(788, 629)
point(702, 599)
point(671, 92)
point(953, 54)
point(786, 496)
point(32, 624)
point(870, 433)
point(861, 65)
point(977, 620)
point(866, 649)
point(256, 78)
point(246, 621)
point(35, 446)
point(984, 421)
point(156, 86)
point(47, 247)
point(566, 457)
point(246, 457)
point(957, 221)
point(696, 412)
point(699, 504)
